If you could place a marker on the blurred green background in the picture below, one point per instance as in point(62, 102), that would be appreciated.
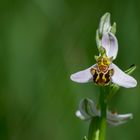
point(41, 43)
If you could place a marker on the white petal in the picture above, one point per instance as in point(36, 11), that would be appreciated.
point(117, 119)
point(122, 79)
point(110, 43)
point(94, 110)
point(88, 108)
point(83, 76)
point(79, 115)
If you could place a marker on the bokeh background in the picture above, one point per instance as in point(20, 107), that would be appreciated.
point(41, 43)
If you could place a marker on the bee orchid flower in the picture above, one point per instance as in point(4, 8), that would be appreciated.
point(104, 71)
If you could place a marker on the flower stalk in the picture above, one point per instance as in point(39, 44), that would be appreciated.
point(103, 108)
point(94, 129)
point(97, 128)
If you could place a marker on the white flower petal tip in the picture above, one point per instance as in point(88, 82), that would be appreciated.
point(115, 119)
point(121, 78)
point(105, 25)
point(110, 43)
point(79, 115)
point(82, 76)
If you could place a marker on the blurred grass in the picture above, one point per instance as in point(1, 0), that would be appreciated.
point(42, 43)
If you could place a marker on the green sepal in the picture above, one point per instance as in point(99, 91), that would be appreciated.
point(98, 39)
point(104, 25)
point(96, 57)
point(113, 28)
point(102, 51)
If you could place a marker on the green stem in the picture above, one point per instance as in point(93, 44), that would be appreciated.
point(97, 128)
point(103, 106)
point(93, 133)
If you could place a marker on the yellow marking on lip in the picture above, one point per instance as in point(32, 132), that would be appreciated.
point(98, 77)
point(101, 72)
point(103, 77)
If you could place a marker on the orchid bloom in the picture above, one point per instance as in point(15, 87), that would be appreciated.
point(88, 109)
point(104, 71)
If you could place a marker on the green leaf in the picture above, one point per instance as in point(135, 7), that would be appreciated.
point(131, 69)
